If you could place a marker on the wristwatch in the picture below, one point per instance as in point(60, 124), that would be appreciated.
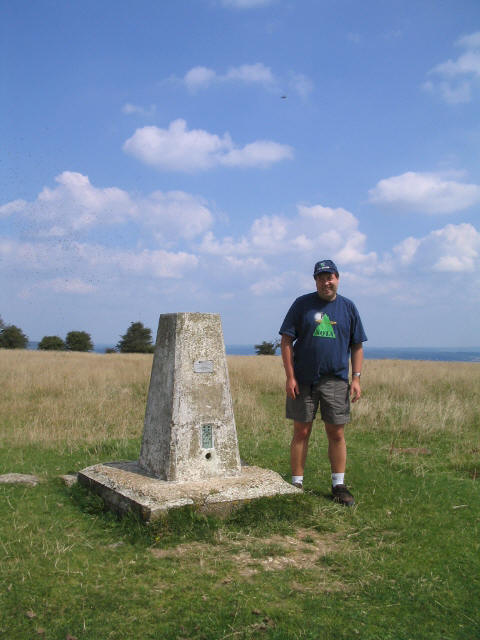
point(356, 374)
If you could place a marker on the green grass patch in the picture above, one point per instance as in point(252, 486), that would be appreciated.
point(404, 564)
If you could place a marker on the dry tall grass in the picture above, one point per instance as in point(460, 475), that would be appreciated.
point(420, 396)
point(62, 397)
point(56, 397)
point(405, 395)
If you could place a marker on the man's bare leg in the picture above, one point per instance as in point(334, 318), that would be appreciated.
point(337, 454)
point(299, 446)
point(337, 448)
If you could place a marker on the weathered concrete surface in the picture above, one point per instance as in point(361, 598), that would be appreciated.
point(69, 479)
point(125, 486)
point(19, 478)
point(189, 430)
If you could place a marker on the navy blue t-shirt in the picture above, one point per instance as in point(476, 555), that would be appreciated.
point(323, 333)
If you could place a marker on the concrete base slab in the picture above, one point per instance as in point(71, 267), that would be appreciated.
point(125, 486)
point(19, 478)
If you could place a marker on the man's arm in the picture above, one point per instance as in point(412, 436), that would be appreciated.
point(357, 362)
point(286, 347)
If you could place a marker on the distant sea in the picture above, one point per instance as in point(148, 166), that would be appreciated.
point(434, 354)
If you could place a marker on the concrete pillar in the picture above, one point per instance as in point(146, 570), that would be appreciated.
point(189, 431)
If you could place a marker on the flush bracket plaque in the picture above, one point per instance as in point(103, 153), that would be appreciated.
point(207, 436)
point(203, 366)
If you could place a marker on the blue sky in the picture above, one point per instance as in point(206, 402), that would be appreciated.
point(202, 155)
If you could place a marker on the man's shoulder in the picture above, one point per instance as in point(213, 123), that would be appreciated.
point(306, 299)
point(346, 301)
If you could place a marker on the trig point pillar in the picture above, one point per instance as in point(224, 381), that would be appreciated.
point(189, 431)
point(189, 454)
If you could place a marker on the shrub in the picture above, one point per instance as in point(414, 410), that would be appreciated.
point(138, 339)
point(51, 343)
point(78, 341)
point(11, 337)
point(266, 348)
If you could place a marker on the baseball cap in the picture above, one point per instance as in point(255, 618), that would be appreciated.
point(325, 266)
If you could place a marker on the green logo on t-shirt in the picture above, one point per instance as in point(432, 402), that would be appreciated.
point(324, 328)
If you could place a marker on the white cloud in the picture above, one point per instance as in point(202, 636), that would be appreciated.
point(268, 286)
point(76, 202)
point(175, 213)
point(472, 41)
point(74, 285)
point(406, 250)
point(248, 74)
point(76, 205)
point(455, 79)
point(301, 84)
point(288, 247)
point(272, 259)
point(225, 247)
point(262, 154)
point(454, 248)
point(461, 92)
point(336, 231)
point(466, 64)
point(302, 242)
point(251, 74)
point(180, 149)
point(458, 247)
point(314, 232)
point(334, 219)
point(12, 207)
point(262, 270)
point(203, 77)
point(199, 78)
point(148, 263)
point(176, 148)
point(95, 262)
point(159, 264)
point(246, 265)
point(133, 109)
point(269, 233)
point(426, 193)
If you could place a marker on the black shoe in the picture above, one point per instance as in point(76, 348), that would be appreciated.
point(299, 485)
point(342, 495)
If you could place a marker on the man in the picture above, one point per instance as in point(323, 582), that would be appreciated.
point(320, 331)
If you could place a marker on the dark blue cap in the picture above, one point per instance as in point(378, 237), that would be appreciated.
point(325, 266)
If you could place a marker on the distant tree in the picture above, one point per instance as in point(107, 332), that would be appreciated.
point(11, 337)
point(2, 324)
point(138, 339)
point(78, 341)
point(51, 343)
point(267, 348)
point(111, 350)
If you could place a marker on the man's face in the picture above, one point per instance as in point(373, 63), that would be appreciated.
point(327, 285)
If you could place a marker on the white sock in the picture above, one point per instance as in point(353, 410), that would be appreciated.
point(337, 478)
point(297, 479)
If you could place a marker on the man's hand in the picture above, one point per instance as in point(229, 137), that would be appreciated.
point(291, 387)
point(357, 361)
point(355, 391)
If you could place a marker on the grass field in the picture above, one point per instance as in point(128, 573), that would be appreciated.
point(403, 564)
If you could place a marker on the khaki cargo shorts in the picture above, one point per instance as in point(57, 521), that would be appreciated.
point(331, 393)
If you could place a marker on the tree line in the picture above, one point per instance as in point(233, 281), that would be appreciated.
point(12, 337)
point(137, 339)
